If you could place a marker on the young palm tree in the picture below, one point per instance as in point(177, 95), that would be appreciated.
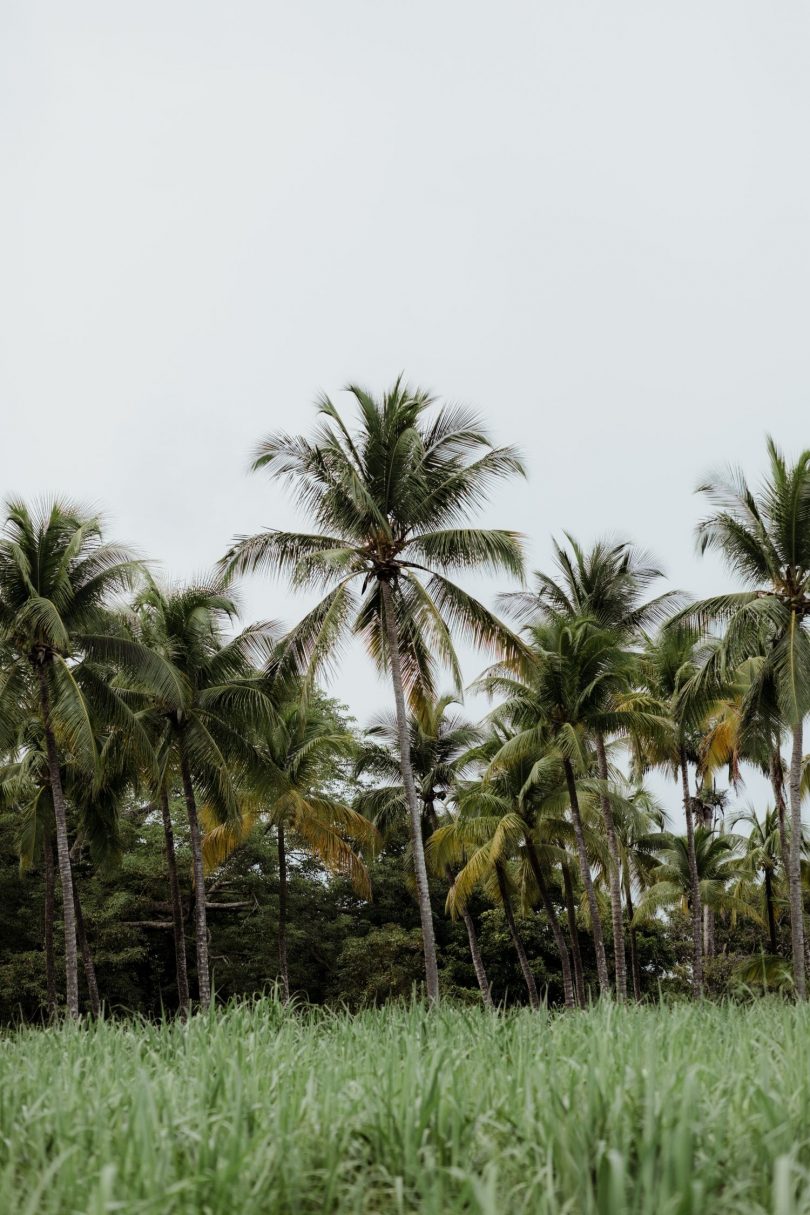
point(390, 498)
point(764, 537)
point(440, 743)
point(299, 756)
point(606, 585)
point(57, 575)
point(203, 719)
point(763, 855)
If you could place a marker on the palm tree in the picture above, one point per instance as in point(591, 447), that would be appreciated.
point(387, 499)
point(202, 720)
point(606, 584)
point(299, 754)
point(440, 745)
point(762, 855)
point(764, 537)
point(57, 576)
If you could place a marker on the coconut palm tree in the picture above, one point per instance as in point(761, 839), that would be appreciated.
point(390, 497)
point(764, 537)
point(441, 743)
point(299, 756)
point(57, 578)
point(762, 855)
point(607, 585)
point(202, 720)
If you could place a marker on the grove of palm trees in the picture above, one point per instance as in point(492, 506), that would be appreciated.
point(200, 843)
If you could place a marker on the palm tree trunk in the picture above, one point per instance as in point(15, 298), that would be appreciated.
point(708, 931)
point(551, 915)
point(62, 848)
point(48, 917)
point(477, 960)
point(587, 881)
point(282, 915)
point(778, 785)
point(769, 908)
point(573, 933)
point(694, 883)
point(631, 932)
point(414, 815)
point(87, 957)
point(181, 966)
point(614, 874)
point(528, 977)
point(200, 917)
point(795, 858)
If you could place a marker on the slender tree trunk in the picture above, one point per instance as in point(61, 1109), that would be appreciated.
point(477, 960)
point(181, 966)
point(551, 914)
point(87, 956)
point(694, 883)
point(282, 915)
point(778, 785)
point(795, 858)
point(708, 931)
point(200, 917)
point(531, 986)
point(769, 907)
point(631, 932)
point(62, 848)
point(414, 815)
point(587, 881)
point(48, 917)
point(617, 916)
point(573, 932)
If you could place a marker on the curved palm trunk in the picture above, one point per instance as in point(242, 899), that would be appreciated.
point(477, 960)
point(573, 933)
point(526, 970)
point(551, 914)
point(617, 917)
point(62, 848)
point(181, 966)
point(87, 956)
point(795, 858)
point(587, 881)
point(200, 917)
point(694, 883)
point(769, 908)
point(282, 915)
point(778, 785)
point(631, 932)
point(414, 815)
point(48, 918)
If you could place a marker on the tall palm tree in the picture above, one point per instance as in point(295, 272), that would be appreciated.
point(441, 742)
point(607, 585)
point(763, 855)
point(299, 756)
point(57, 577)
point(764, 538)
point(390, 497)
point(203, 719)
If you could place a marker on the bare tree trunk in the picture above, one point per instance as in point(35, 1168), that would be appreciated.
point(282, 915)
point(200, 917)
point(414, 815)
point(551, 915)
point(62, 848)
point(769, 907)
point(587, 881)
point(87, 957)
point(48, 918)
point(778, 785)
point(477, 960)
point(694, 883)
point(573, 933)
point(181, 966)
point(795, 858)
point(526, 969)
point(634, 962)
point(708, 931)
point(617, 916)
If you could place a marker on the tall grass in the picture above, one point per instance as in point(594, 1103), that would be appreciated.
point(667, 1111)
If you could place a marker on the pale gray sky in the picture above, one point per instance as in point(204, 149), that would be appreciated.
point(588, 220)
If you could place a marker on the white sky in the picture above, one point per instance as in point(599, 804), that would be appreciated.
point(588, 220)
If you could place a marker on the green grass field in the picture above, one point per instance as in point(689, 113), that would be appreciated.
point(666, 1111)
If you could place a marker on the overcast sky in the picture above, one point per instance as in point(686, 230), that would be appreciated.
point(588, 220)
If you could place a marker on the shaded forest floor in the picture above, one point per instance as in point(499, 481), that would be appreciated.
point(669, 1110)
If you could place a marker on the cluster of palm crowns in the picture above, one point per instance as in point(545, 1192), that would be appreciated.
point(113, 685)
